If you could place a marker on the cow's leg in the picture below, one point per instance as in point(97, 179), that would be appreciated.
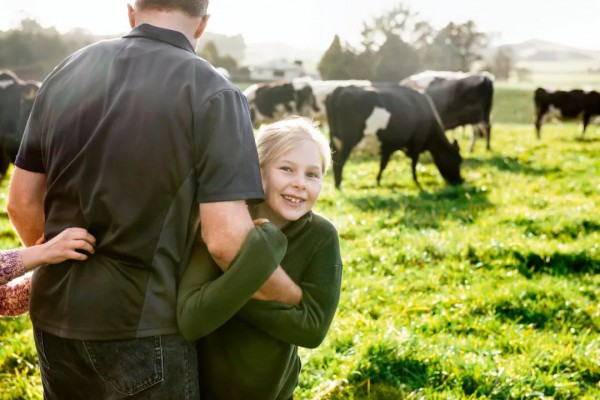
point(386, 152)
point(339, 158)
point(481, 129)
point(414, 159)
point(539, 119)
point(476, 132)
point(586, 120)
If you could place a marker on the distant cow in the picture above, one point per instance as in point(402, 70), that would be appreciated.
point(323, 88)
point(460, 98)
point(16, 101)
point(272, 101)
point(565, 105)
point(400, 117)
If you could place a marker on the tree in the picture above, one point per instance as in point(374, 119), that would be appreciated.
point(334, 63)
point(390, 41)
point(395, 60)
point(210, 53)
point(503, 62)
point(455, 47)
point(32, 51)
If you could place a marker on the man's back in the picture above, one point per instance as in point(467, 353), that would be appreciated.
point(132, 133)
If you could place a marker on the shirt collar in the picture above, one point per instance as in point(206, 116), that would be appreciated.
point(169, 36)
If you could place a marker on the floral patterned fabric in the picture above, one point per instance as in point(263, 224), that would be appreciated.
point(14, 293)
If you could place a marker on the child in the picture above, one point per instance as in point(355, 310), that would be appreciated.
point(14, 296)
point(248, 339)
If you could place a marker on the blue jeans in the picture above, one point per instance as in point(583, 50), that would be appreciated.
point(156, 367)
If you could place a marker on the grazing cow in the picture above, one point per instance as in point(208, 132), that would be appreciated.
point(16, 101)
point(402, 118)
point(321, 89)
point(460, 98)
point(565, 105)
point(272, 101)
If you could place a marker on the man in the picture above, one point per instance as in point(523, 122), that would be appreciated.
point(134, 139)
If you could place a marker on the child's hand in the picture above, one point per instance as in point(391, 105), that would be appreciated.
point(64, 246)
point(260, 221)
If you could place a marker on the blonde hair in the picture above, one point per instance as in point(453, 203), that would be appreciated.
point(282, 136)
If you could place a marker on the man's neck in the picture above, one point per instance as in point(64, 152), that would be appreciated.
point(173, 20)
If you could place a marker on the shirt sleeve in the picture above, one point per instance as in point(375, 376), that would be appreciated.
point(227, 160)
point(306, 324)
point(30, 157)
point(14, 296)
point(207, 298)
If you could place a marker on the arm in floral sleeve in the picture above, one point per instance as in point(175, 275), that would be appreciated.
point(14, 297)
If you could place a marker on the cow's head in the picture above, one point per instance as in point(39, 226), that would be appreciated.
point(306, 102)
point(449, 164)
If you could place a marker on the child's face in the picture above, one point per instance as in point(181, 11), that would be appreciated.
point(292, 183)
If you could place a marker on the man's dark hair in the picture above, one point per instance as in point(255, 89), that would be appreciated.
point(194, 8)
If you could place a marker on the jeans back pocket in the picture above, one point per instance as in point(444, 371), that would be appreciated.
point(129, 366)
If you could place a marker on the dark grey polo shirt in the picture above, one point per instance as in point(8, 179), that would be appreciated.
point(132, 134)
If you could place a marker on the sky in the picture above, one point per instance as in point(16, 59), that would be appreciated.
point(312, 24)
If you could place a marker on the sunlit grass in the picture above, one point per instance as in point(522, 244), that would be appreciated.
point(486, 290)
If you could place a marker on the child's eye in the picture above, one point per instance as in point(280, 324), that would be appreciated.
point(287, 169)
point(312, 175)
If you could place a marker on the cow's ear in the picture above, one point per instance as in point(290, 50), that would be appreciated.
point(455, 144)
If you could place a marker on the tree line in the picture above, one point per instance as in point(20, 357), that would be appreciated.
point(393, 46)
point(398, 44)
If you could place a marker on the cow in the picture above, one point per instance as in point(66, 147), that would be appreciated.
point(401, 118)
point(272, 101)
point(16, 102)
point(460, 98)
point(565, 105)
point(323, 88)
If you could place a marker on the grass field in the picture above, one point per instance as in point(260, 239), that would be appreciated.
point(489, 290)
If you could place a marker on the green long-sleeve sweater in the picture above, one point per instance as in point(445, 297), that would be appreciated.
point(253, 355)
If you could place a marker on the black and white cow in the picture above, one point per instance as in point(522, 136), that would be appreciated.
point(16, 101)
point(565, 105)
point(272, 101)
point(401, 118)
point(323, 88)
point(460, 99)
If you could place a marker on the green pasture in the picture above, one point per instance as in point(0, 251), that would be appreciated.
point(489, 290)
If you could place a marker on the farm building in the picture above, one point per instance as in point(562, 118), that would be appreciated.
point(277, 70)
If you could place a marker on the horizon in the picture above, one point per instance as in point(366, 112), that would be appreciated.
point(270, 21)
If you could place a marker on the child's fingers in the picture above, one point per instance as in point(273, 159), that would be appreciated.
point(84, 245)
point(260, 221)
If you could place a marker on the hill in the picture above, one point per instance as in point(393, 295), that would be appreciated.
point(540, 50)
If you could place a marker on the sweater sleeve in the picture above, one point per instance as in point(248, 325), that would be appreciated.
point(14, 296)
point(11, 265)
point(306, 324)
point(207, 298)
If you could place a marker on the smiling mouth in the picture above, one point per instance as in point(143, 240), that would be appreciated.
point(292, 199)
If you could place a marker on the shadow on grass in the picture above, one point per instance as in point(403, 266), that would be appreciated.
point(426, 209)
point(544, 310)
point(384, 368)
point(587, 139)
point(561, 264)
point(507, 164)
